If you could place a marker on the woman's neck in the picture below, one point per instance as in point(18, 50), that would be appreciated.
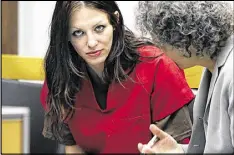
point(208, 63)
point(97, 69)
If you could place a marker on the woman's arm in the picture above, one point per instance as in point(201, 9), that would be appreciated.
point(170, 98)
point(73, 149)
point(178, 125)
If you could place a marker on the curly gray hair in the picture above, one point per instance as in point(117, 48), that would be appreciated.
point(204, 25)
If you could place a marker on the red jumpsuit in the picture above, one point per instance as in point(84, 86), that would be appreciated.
point(160, 89)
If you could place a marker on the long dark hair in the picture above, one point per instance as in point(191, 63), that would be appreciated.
point(65, 69)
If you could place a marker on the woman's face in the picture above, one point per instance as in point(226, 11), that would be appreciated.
point(91, 35)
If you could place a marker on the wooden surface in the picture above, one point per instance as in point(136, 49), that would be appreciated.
point(9, 27)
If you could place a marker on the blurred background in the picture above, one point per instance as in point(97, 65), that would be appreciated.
point(25, 37)
point(26, 24)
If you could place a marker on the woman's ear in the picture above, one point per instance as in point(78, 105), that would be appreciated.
point(116, 13)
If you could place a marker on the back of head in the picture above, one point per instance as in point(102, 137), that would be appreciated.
point(204, 25)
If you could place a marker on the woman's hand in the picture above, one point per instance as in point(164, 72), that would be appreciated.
point(74, 149)
point(166, 144)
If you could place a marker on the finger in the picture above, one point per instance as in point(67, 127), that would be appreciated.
point(140, 147)
point(153, 140)
point(147, 149)
point(158, 132)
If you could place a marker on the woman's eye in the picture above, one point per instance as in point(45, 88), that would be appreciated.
point(99, 28)
point(77, 33)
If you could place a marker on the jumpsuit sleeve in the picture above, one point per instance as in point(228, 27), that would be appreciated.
point(178, 125)
point(170, 99)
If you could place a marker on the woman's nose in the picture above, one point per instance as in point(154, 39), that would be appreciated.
point(92, 41)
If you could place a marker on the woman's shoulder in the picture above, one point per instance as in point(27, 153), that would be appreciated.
point(150, 54)
point(154, 59)
point(149, 51)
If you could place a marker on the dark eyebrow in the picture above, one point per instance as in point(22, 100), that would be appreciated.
point(93, 26)
point(75, 28)
point(97, 23)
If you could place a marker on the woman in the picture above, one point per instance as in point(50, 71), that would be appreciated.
point(104, 87)
point(197, 33)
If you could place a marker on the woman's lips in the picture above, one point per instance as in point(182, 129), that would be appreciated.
point(94, 53)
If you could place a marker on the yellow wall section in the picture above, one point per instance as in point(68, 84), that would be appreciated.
point(193, 76)
point(12, 136)
point(24, 68)
point(28, 68)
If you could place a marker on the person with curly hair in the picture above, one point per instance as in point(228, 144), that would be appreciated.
point(196, 33)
